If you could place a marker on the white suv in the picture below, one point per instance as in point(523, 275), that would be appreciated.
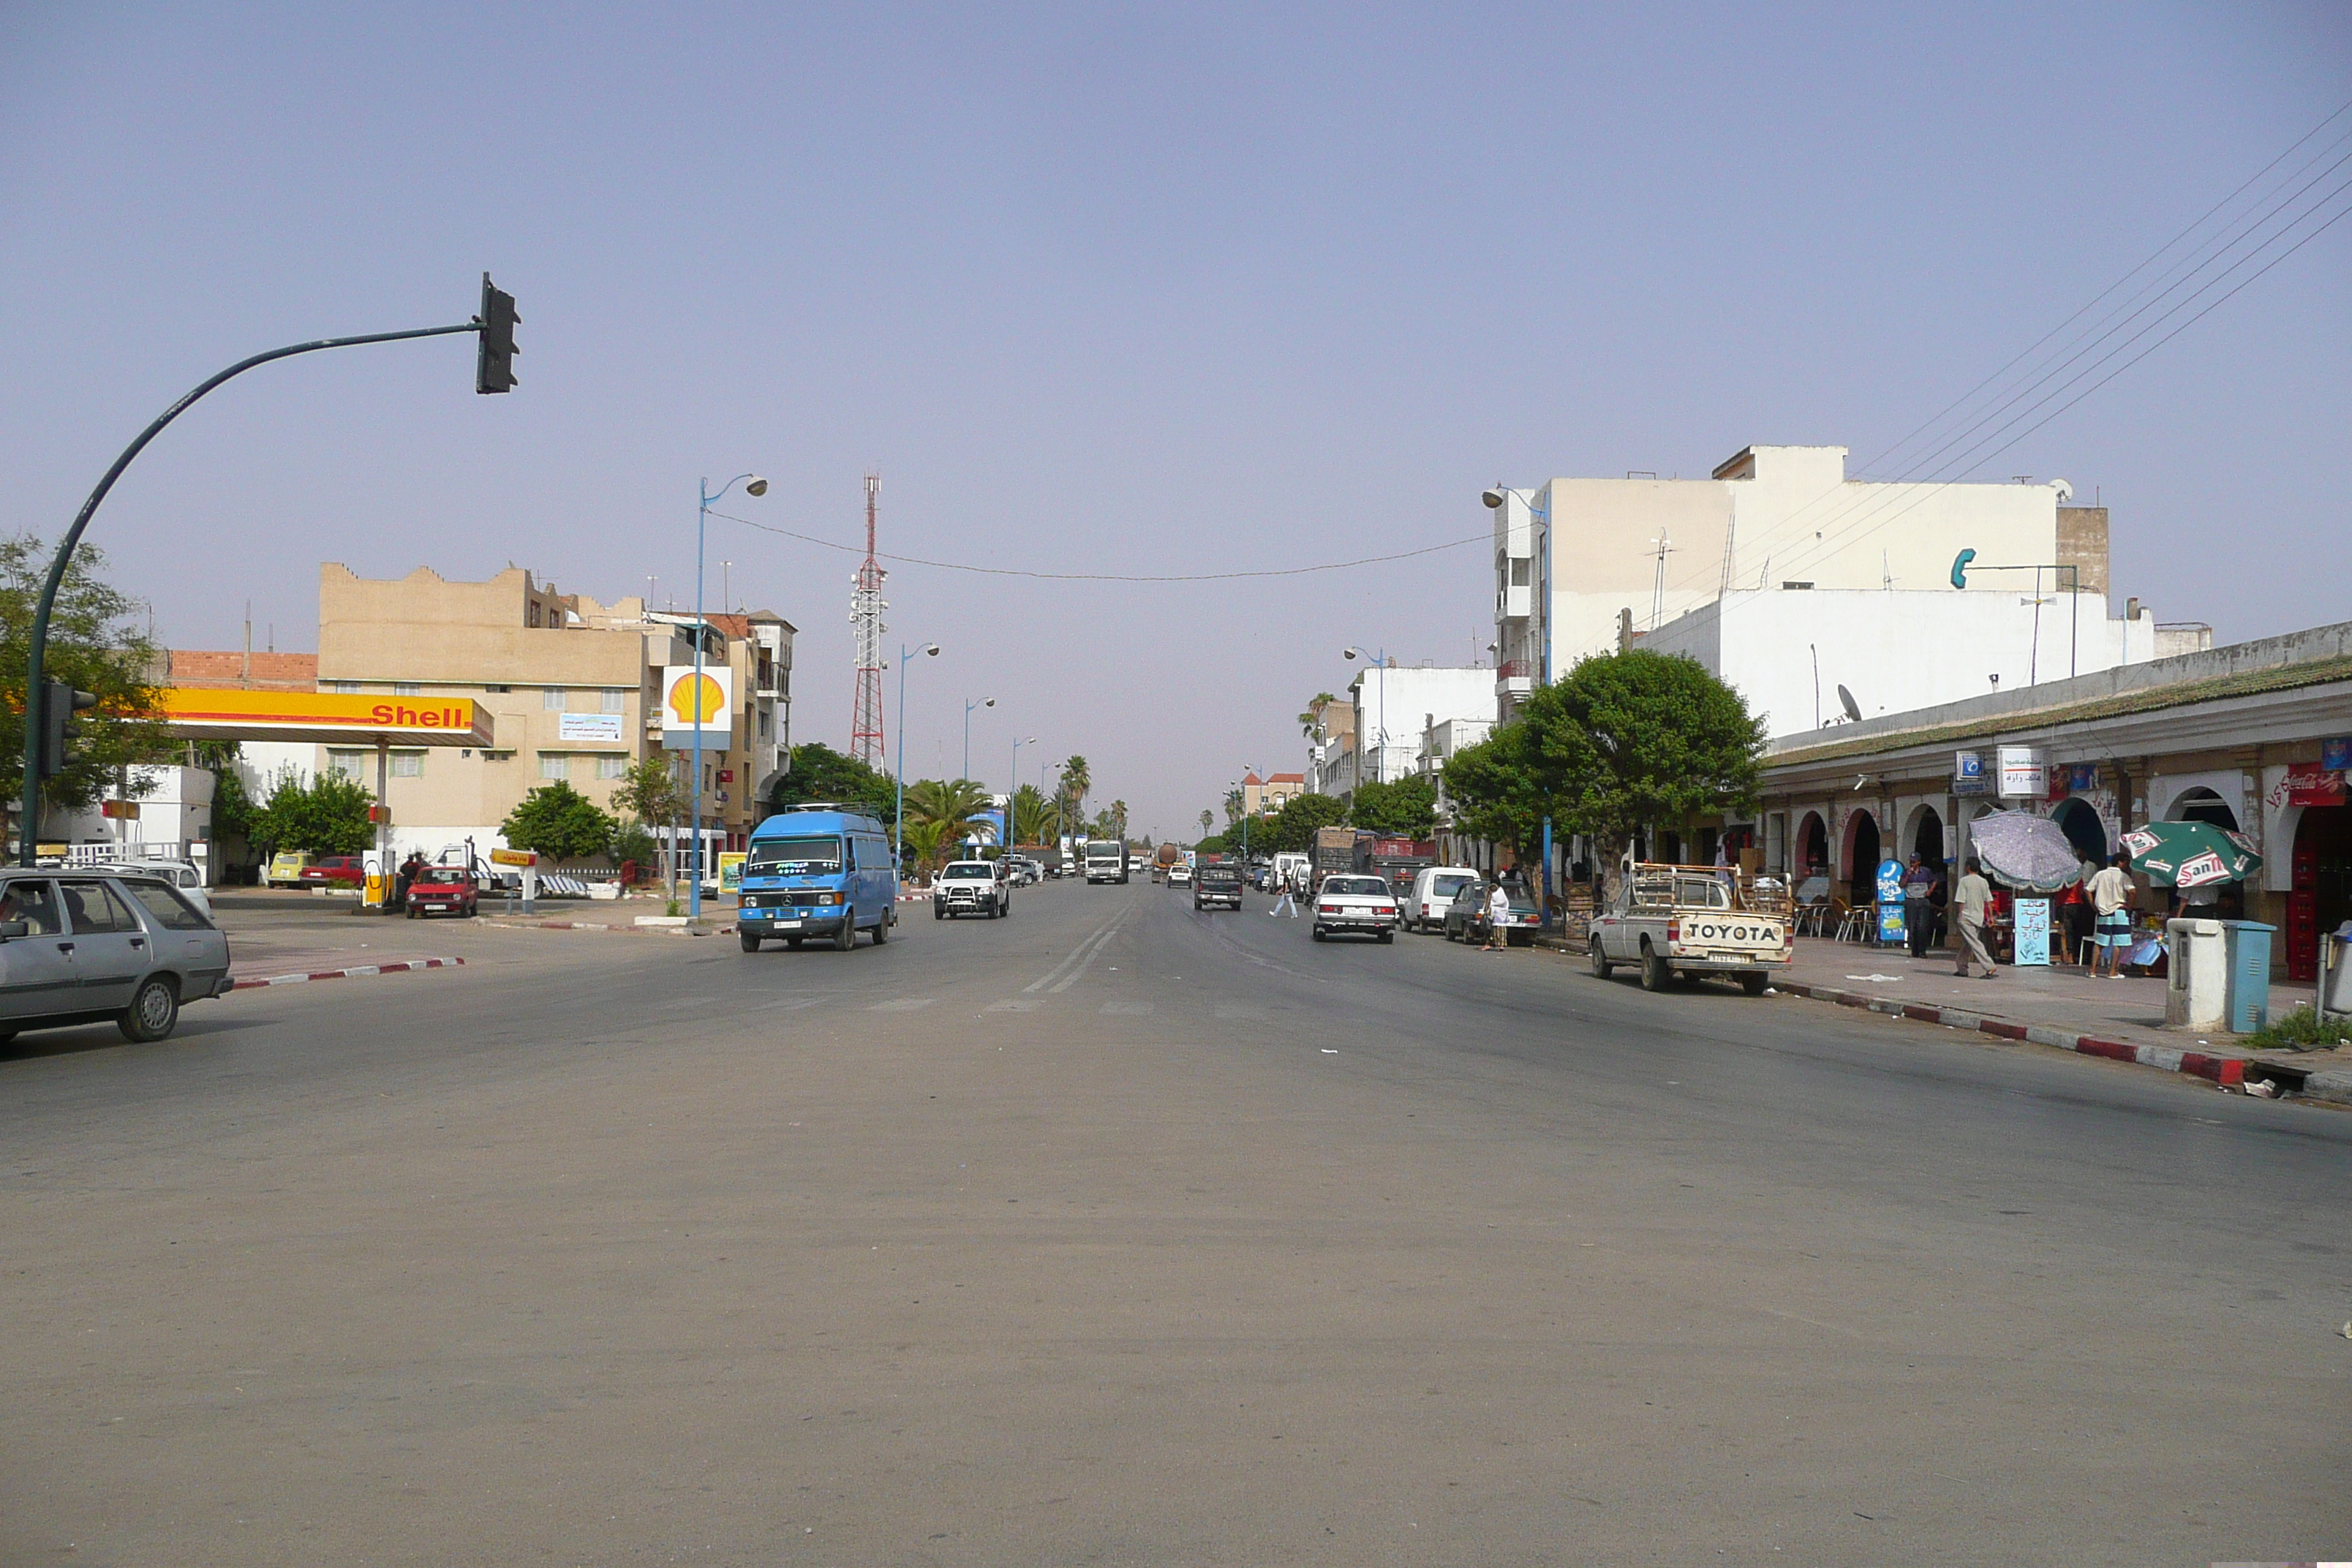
point(971, 888)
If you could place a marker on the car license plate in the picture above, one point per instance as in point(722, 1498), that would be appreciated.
point(788, 922)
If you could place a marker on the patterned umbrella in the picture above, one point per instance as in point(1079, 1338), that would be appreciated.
point(2189, 853)
point(2026, 851)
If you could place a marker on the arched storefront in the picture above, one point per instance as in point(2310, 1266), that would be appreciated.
point(2082, 828)
point(1859, 867)
point(1923, 834)
point(2319, 896)
point(1813, 846)
point(2202, 804)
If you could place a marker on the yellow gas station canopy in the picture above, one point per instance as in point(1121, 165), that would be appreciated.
point(327, 718)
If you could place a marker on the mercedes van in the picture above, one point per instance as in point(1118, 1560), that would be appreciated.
point(816, 870)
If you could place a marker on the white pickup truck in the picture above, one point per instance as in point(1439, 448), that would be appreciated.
point(1694, 920)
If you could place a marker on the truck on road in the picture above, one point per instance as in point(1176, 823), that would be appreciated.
point(1689, 921)
point(1106, 860)
point(1337, 850)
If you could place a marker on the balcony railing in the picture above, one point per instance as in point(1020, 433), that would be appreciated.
point(1514, 669)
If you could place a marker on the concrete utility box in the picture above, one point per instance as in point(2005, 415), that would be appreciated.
point(2335, 972)
point(2197, 989)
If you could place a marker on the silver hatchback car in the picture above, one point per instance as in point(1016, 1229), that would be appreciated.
point(83, 947)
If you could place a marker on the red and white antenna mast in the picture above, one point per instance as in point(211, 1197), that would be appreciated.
point(866, 607)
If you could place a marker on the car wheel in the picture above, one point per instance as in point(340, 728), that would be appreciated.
point(750, 943)
point(846, 937)
point(1753, 983)
point(1657, 972)
point(882, 929)
point(153, 1013)
point(938, 913)
point(1601, 967)
point(1388, 936)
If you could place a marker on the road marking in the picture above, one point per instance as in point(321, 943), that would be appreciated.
point(902, 1004)
point(1079, 953)
point(1086, 961)
point(1012, 1004)
point(1127, 1009)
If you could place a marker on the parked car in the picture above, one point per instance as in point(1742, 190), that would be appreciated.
point(1689, 921)
point(1433, 889)
point(334, 871)
point(971, 888)
point(286, 869)
point(1217, 886)
point(80, 947)
point(1466, 917)
point(1361, 906)
point(443, 890)
point(179, 873)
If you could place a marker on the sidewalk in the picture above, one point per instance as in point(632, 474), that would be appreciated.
point(2060, 1005)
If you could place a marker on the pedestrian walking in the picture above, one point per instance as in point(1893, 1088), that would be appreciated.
point(1919, 881)
point(1498, 910)
point(1971, 900)
point(1284, 905)
point(2110, 893)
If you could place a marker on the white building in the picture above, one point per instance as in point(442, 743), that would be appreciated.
point(1395, 706)
point(1789, 652)
point(1580, 563)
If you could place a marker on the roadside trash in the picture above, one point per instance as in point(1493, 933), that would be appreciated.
point(2265, 1090)
point(1330, 1051)
point(1876, 979)
point(2347, 1330)
point(1771, 991)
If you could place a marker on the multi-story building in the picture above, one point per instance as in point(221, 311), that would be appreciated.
point(1395, 706)
point(1263, 796)
point(1583, 566)
point(572, 685)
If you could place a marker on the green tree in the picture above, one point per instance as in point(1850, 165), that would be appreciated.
point(649, 790)
point(1495, 791)
point(329, 816)
point(1077, 780)
point(1310, 723)
point(632, 843)
point(559, 822)
point(1406, 808)
point(96, 645)
point(948, 805)
point(820, 773)
point(1291, 830)
point(1033, 814)
point(1639, 740)
point(1118, 818)
point(1208, 820)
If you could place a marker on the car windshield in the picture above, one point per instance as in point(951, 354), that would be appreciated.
point(811, 856)
point(970, 871)
point(445, 875)
point(1373, 885)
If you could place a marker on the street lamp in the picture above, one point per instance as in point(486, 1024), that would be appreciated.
point(968, 706)
point(753, 485)
point(1379, 759)
point(899, 828)
point(1493, 499)
point(1013, 794)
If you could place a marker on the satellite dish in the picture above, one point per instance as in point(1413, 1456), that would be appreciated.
point(1852, 709)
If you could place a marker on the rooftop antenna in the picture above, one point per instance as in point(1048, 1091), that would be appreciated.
point(1885, 571)
point(866, 607)
point(1730, 533)
point(244, 676)
point(1852, 709)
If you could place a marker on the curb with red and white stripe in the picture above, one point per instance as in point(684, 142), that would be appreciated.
point(2227, 1071)
point(402, 966)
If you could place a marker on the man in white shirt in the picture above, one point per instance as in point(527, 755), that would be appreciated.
point(1971, 904)
point(1498, 910)
point(2110, 892)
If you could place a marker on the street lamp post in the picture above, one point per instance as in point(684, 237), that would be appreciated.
point(969, 705)
point(1379, 759)
point(899, 826)
point(1541, 515)
point(753, 485)
point(1013, 795)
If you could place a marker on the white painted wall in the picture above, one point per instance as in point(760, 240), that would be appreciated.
point(1403, 701)
point(1898, 650)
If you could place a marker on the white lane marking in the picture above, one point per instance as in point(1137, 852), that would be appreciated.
point(792, 1005)
point(902, 1004)
point(1127, 1009)
point(1085, 964)
point(1012, 1004)
point(1075, 955)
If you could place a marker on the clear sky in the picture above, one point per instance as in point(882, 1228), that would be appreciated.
point(1129, 288)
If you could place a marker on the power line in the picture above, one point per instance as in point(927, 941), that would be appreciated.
point(1112, 576)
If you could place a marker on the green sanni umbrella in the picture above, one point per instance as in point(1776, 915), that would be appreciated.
point(2189, 853)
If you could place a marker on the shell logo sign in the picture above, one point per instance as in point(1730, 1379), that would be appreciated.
point(696, 704)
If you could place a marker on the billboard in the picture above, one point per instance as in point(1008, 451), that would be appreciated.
point(2023, 772)
point(590, 727)
point(684, 718)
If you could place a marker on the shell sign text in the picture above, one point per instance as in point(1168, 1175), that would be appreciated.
point(698, 703)
point(334, 718)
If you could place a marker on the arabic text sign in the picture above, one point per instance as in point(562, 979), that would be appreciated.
point(2033, 932)
point(590, 727)
point(2022, 771)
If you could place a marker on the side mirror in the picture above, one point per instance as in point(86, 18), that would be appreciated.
point(10, 929)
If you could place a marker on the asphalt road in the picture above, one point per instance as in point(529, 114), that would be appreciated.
point(1115, 1232)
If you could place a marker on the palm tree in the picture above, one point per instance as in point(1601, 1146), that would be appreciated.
point(1033, 814)
point(949, 805)
point(1118, 818)
point(1076, 782)
point(1311, 722)
point(1207, 817)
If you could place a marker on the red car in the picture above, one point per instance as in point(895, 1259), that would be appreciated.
point(443, 890)
point(335, 871)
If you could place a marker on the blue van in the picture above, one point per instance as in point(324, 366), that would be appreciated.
point(817, 870)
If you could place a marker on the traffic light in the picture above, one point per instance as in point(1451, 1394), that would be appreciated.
point(493, 363)
point(59, 703)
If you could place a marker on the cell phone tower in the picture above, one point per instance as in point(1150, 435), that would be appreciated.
point(866, 607)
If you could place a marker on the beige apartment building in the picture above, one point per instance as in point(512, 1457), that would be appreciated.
point(573, 687)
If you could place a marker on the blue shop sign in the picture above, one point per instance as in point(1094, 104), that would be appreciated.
point(2336, 753)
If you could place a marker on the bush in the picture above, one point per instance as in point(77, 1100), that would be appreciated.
point(559, 822)
point(329, 816)
point(2301, 1030)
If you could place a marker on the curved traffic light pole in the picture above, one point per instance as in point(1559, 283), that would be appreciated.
point(27, 830)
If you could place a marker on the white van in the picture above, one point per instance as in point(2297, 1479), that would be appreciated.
point(1433, 888)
